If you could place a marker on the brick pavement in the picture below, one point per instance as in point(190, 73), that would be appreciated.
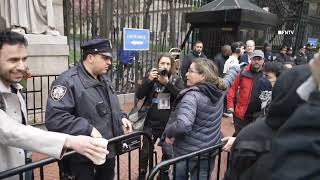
point(51, 171)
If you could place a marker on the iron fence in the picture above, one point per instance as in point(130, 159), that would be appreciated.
point(86, 19)
point(205, 157)
point(297, 16)
point(129, 144)
point(36, 93)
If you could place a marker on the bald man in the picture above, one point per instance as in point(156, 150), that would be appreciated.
point(250, 47)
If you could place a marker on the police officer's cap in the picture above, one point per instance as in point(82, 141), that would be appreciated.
point(98, 46)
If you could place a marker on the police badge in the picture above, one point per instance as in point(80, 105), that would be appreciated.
point(58, 92)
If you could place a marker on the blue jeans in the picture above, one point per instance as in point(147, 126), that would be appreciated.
point(183, 174)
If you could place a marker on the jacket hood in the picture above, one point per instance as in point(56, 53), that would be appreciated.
point(285, 100)
point(206, 88)
point(210, 90)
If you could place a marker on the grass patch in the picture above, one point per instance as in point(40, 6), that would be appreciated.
point(74, 56)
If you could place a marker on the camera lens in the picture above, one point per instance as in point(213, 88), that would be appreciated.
point(164, 72)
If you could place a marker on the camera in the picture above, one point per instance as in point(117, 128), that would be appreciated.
point(163, 72)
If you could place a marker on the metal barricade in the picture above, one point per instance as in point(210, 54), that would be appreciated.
point(207, 154)
point(125, 144)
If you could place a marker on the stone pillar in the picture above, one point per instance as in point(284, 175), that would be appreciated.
point(48, 55)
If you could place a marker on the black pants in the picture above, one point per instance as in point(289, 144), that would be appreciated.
point(167, 152)
point(86, 170)
point(239, 124)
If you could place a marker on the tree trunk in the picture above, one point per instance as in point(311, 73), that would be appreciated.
point(146, 9)
point(106, 22)
point(67, 17)
point(172, 40)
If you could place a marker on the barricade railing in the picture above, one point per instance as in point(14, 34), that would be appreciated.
point(207, 155)
point(125, 143)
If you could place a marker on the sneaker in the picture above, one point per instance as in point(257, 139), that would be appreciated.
point(228, 114)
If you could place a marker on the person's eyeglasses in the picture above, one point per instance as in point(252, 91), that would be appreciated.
point(192, 71)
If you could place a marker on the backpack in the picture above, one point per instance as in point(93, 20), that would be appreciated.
point(251, 157)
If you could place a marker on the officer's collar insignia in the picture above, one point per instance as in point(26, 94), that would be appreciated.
point(58, 92)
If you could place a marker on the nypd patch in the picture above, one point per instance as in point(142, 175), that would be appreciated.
point(58, 92)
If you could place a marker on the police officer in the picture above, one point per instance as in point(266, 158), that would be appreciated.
point(80, 104)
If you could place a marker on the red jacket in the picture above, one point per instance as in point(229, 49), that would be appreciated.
point(245, 91)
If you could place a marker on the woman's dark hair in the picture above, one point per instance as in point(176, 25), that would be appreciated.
point(12, 38)
point(275, 67)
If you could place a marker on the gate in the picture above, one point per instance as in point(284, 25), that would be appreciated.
point(206, 157)
point(128, 146)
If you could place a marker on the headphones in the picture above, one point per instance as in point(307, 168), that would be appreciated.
point(236, 47)
point(238, 50)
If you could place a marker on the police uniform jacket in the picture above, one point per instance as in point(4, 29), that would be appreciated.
point(78, 102)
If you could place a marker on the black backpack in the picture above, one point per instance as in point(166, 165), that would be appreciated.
point(251, 153)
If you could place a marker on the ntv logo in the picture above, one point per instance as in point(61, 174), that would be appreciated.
point(285, 32)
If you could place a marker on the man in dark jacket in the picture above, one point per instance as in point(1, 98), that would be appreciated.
point(282, 57)
point(196, 52)
point(249, 84)
point(296, 145)
point(290, 54)
point(267, 49)
point(309, 52)
point(221, 58)
point(251, 157)
point(159, 88)
point(301, 57)
point(80, 104)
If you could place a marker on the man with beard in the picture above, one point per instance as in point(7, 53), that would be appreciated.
point(159, 90)
point(195, 53)
point(248, 84)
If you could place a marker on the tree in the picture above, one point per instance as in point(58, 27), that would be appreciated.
point(172, 40)
point(146, 10)
point(106, 19)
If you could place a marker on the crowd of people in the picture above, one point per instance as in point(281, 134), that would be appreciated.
point(268, 97)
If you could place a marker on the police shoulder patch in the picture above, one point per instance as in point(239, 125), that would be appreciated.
point(58, 92)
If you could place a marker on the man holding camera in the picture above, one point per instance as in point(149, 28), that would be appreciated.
point(159, 88)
